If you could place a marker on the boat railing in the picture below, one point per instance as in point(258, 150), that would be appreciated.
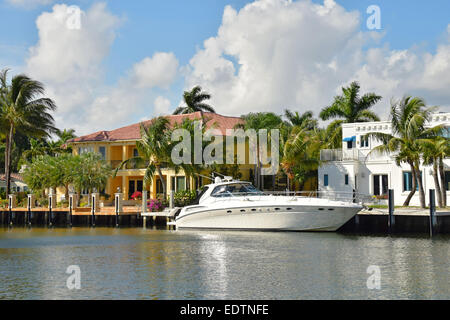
point(329, 195)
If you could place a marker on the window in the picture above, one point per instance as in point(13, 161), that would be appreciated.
point(102, 151)
point(180, 184)
point(82, 150)
point(364, 142)
point(229, 190)
point(325, 180)
point(380, 184)
point(407, 181)
point(135, 152)
point(346, 179)
point(350, 144)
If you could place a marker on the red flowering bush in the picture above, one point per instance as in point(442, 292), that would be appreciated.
point(136, 195)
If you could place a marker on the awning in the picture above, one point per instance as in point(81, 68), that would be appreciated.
point(350, 139)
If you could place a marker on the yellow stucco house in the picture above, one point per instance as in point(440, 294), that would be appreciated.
point(118, 145)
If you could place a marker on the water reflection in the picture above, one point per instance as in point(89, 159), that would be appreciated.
point(164, 264)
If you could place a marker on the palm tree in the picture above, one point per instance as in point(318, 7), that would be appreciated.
point(154, 149)
point(65, 135)
point(36, 149)
point(408, 139)
point(434, 152)
point(304, 120)
point(22, 108)
point(258, 121)
point(301, 154)
point(194, 101)
point(349, 108)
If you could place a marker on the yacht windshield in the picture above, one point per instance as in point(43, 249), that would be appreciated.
point(235, 189)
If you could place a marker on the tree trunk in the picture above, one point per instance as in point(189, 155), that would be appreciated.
point(436, 182)
point(9, 144)
point(443, 186)
point(66, 192)
point(158, 169)
point(413, 187)
point(421, 191)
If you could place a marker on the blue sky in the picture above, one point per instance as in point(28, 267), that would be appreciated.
point(181, 27)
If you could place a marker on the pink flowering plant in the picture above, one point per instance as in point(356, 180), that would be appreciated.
point(155, 205)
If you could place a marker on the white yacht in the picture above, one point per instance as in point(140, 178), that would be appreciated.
point(233, 204)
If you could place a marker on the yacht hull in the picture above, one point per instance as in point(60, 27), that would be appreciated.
point(300, 218)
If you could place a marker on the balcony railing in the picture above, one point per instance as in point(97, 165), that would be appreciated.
point(341, 155)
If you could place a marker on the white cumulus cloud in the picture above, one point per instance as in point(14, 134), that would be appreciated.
point(159, 70)
point(277, 54)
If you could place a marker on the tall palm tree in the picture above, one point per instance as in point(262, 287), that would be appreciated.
point(258, 121)
point(408, 139)
point(154, 149)
point(22, 108)
point(304, 120)
point(434, 154)
point(349, 108)
point(301, 154)
point(194, 101)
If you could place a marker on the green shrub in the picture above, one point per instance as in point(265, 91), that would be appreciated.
point(184, 198)
point(3, 203)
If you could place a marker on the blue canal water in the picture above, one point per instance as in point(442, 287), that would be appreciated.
point(166, 264)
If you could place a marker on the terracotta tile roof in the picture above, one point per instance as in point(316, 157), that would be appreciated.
point(14, 177)
point(132, 132)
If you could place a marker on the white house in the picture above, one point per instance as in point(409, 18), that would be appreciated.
point(17, 183)
point(351, 169)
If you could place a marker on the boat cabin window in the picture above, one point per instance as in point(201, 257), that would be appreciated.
point(235, 189)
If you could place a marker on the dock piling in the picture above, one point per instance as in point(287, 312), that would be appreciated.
point(432, 212)
point(118, 206)
point(391, 218)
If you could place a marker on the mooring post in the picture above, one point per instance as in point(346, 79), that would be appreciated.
point(73, 199)
point(391, 219)
point(30, 206)
point(11, 205)
point(432, 212)
point(144, 209)
point(171, 200)
point(94, 206)
point(118, 205)
point(51, 205)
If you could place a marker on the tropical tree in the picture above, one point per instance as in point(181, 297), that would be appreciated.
point(258, 121)
point(434, 153)
point(408, 139)
point(305, 120)
point(37, 148)
point(154, 150)
point(301, 154)
point(348, 108)
point(22, 108)
point(86, 171)
point(195, 101)
point(90, 172)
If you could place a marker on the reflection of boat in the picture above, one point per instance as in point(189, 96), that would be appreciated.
point(232, 204)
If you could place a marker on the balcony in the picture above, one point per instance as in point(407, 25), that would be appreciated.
point(341, 155)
